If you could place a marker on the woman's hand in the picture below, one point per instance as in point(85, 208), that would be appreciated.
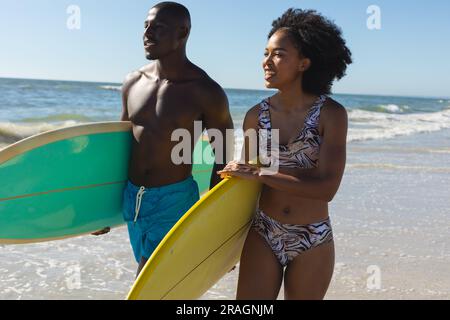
point(244, 171)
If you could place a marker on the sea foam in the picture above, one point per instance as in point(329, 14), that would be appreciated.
point(13, 132)
point(112, 88)
point(386, 126)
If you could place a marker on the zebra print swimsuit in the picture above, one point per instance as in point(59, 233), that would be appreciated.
point(303, 151)
point(286, 240)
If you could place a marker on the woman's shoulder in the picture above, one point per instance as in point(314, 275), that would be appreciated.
point(253, 115)
point(332, 109)
point(333, 114)
point(255, 111)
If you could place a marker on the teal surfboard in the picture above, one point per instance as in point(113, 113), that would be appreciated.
point(69, 182)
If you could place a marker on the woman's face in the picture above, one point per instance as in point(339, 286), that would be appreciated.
point(282, 63)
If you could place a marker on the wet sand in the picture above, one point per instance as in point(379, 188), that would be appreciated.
point(392, 215)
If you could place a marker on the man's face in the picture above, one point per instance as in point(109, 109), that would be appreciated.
point(161, 35)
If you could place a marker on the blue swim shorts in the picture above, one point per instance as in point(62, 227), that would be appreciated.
point(151, 212)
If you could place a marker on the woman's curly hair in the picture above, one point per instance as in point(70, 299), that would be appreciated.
point(320, 40)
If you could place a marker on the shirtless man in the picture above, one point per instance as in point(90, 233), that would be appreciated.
point(170, 93)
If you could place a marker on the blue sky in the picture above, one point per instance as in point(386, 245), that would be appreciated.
point(408, 56)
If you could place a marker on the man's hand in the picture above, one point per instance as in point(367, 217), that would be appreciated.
point(101, 232)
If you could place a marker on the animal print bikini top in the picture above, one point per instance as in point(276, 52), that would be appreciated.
point(303, 151)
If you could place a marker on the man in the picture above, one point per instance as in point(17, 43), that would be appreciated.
point(170, 93)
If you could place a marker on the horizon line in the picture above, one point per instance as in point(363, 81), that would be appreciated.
point(229, 88)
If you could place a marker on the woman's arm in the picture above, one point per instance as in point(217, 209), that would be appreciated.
point(250, 128)
point(249, 153)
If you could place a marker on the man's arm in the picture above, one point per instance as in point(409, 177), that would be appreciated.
point(217, 119)
point(129, 81)
point(127, 84)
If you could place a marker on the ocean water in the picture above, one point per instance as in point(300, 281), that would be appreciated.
point(29, 107)
point(392, 210)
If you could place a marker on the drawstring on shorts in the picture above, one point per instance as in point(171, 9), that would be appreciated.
point(139, 196)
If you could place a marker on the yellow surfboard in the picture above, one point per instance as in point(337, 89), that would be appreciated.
point(202, 247)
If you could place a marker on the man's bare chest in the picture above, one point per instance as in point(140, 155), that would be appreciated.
point(161, 103)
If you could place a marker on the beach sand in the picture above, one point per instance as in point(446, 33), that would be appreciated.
point(391, 215)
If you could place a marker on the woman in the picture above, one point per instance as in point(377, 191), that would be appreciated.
point(291, 236)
